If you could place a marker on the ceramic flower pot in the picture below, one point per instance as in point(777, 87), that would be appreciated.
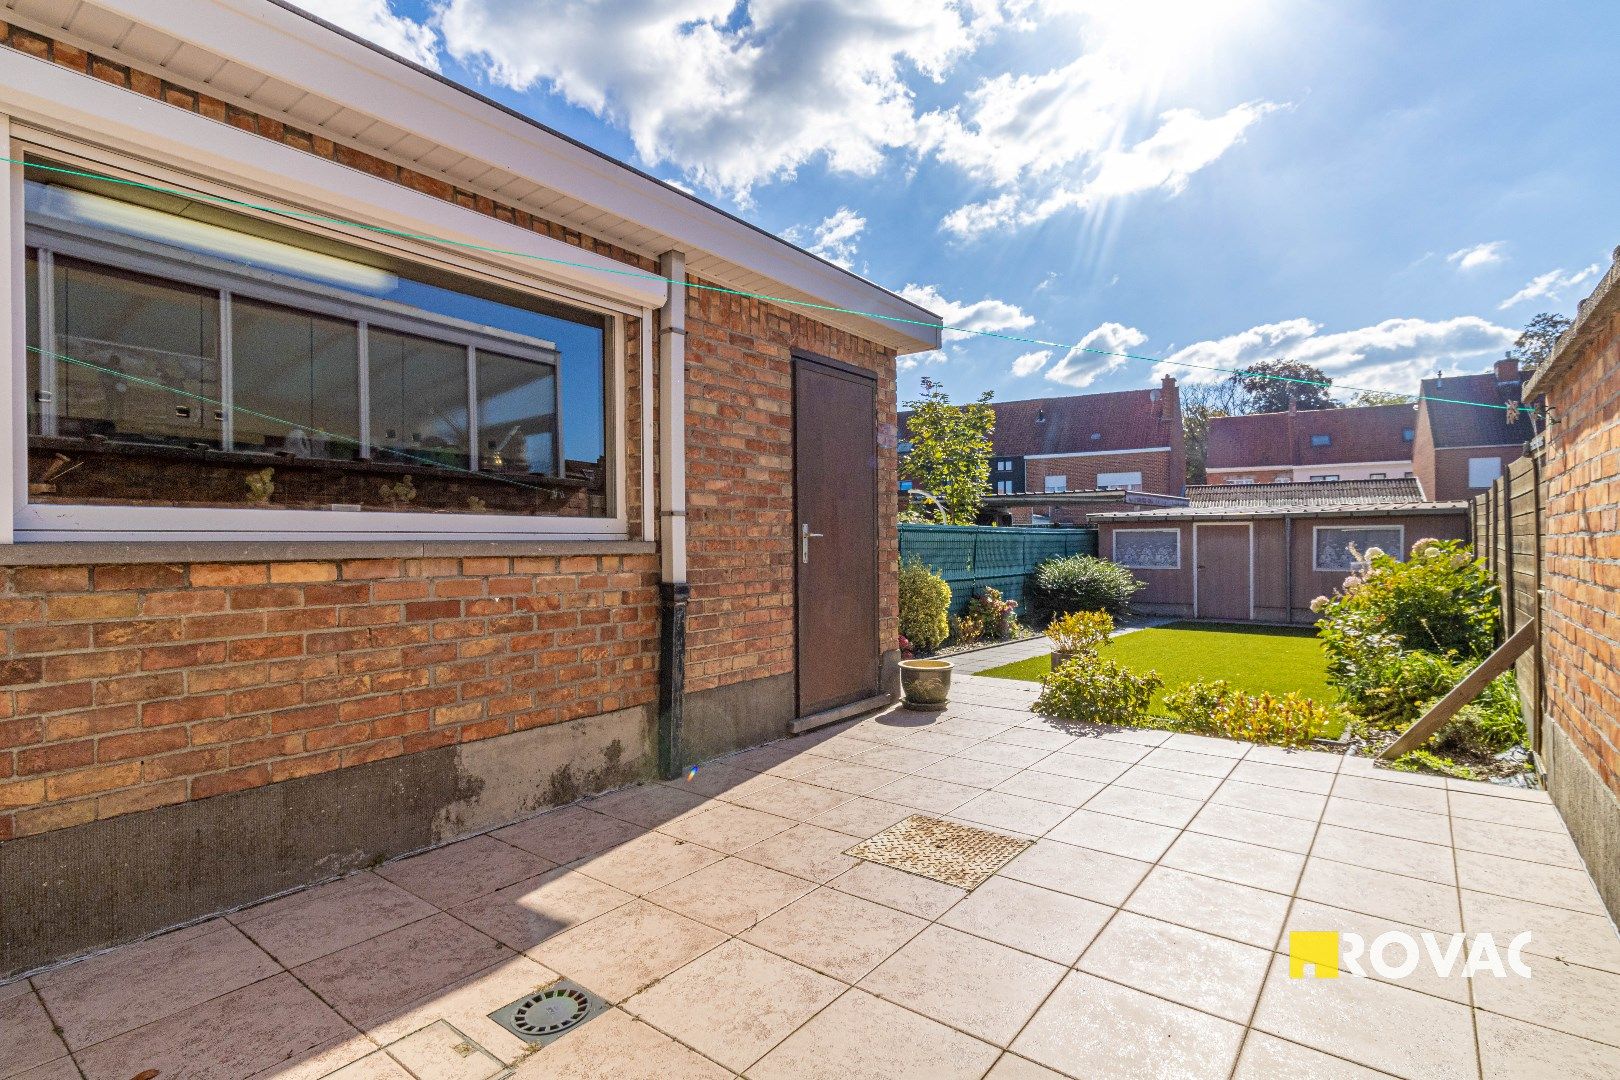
point(925, 684)
point(1061, 657)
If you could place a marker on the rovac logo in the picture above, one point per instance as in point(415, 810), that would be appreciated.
point(1396, 954)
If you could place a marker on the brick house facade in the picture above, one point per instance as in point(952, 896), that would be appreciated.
point(1372, 442)
point(1469, 429)
point(180, 698)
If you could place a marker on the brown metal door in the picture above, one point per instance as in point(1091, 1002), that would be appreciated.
point(835, 534)
point(1225, 575)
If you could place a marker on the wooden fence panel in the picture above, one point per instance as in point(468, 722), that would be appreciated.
point(1506, 524)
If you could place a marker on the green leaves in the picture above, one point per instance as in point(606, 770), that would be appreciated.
point(950, 455)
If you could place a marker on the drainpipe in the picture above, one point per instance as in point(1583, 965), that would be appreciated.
point(673, 589)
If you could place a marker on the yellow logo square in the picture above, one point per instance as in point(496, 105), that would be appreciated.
point(1318, 948)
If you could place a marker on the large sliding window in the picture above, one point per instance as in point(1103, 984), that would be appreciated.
point(182, 355)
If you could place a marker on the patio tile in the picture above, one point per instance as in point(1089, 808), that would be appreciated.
point(968, 772)
point(1001, 753)
point(1557, 932)
point(310, 924)
point(935, 742)
point(1309, 915)
point(1256, 769)
point(898, 889)
point(1374, 1023)
point(1079, 767)
point(713, 779)
point(1511, 1050)
point(1231, 860)
point(463, 870)
point(239, 1034)
point(647, 862)
point(614, 1046)
point(1115, 835)
point(1387, 896)
point(647, 805)
point(1565, 997)
point(771, 756)
point(862, 818)
point(1186, 761)
point(852, 747)
point(466, 1006)
point(27, 1037)
point(350, 1057)
point(1374, 769)
point(1148, 737)
point(999, 810)
point(1204, 744)
point(854, 777)
point(1253, 827)
point(926, 794)
point(1182, 785)
point(114, 992)
point(806, 851)
point(1208, 973)
point(1090, 875)
point(1266, 1057)
point(1265, 799)
point(1139, 805)
point(568, 833)
point(1312, 760)
point(1253, 916)
point(1531, 845)
point(370, 981)
point(1039, 738)
point(523, 915)
point(1558, 886)
point(1388, 820)
point(1518, 813)
point(861, 1037)
point(836, 933)
point(1100, 1030)
point(790, 799)
point(440, 1052)
point(1387, 793)
point(1050, 787)
point(626, 949)
point(1108, 749)
point(976, 727)
point(723, 827)
point(983, 988)
point(1013, 1067)
point(734, 1003)
point(901, 759)
point(1431, 862)
point(60, 1069)
point(731, 895)
point(1051, 925)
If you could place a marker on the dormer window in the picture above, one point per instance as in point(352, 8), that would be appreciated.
point(1407, 434)
point(1040, 416)
point(1321, 440)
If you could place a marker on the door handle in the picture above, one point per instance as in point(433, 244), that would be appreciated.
point(805, 536)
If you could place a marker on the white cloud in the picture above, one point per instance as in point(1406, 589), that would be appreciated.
point(835, 239)
point(1550, 286)
point(1030, 362)
point(932, 356)
point(1392, 355)
point(1472, 258)
point(375, 21)
point(1089, 360)
point(987, 315)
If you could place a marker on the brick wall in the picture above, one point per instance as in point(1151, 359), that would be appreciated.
point(1448, 469)
point(1157, 469)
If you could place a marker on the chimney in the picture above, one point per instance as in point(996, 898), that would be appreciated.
point(1169, 398)
point(1507, 371)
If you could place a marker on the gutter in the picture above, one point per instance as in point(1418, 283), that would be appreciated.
point(674, 591)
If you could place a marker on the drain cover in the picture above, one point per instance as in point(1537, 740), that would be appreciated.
point(547, 1014)
point(931, 847)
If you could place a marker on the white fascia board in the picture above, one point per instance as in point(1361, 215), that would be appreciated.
point(59, 100)
point(1098, 453)
point(292, 47)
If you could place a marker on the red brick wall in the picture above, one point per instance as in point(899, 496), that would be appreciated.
point(1449, 470)
point(1157, 469)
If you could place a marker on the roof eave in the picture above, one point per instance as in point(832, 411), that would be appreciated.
point(1602, 303)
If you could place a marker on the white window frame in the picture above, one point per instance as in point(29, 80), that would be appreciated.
point(1324, 478)
point(67, 522)
point(1399, 551)
point(1062, 483)
point(1492, 460)
point(1119, 481)
point(1240, 479)
point(1113, 548)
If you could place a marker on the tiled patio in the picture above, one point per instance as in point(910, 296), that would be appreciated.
point(1137, 937)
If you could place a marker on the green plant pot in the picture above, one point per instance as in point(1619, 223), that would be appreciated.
point(925, 684)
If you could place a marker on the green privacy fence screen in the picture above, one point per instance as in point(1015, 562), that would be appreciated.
point(970, 557)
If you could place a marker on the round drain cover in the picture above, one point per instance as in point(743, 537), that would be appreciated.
point(550, 1011)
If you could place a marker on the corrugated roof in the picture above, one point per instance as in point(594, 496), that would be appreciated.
point(1469, 425)
point(1356, 434)
point(1328, 498)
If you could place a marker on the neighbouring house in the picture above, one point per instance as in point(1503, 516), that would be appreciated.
point(1577, 463)
point(1469, 428)
point(1263, 552)
point(384, 466)
point(1372, 442)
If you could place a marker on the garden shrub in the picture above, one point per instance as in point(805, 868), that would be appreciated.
point(1080, 631)
point(1426, 762)
point(1440, 600)
point(1490, 724)
point(1216, 708)
point(996, 615)
point(1085, 583)
point(925, 599)
point(966, 630)
point(1097, 691)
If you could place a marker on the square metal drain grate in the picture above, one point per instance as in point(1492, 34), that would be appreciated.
point(549, 1013)
point(930, 847)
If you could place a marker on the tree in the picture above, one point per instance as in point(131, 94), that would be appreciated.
point(1274, 385)
point(950, 453)
point(1201, 403)
point(1381, 397)
point(1536, 343)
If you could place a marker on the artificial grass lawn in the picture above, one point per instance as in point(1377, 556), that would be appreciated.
point(1254, 659)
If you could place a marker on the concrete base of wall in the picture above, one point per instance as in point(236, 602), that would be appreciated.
point(107, 882)
point(1590, 809)
point(737, 716)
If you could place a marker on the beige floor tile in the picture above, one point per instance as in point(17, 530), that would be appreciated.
point(1531, 845)
point(723, 827)
point(440, 1052)
point(1308, 915)
point(1108, 750)
point(999, 810)
point(630, 947)
point(647, 862)
point(734, 1003)
point(731, 895)
point(1240, 912)
point(27, 1037)
point(1412, 858)
point(1079, 767)
point(790, 799)
point(1000, 753)
point(1149, 737)
point(1116, 835)
point(568, 833)
point(1510, 1050)
point(926, 794)
point(1558, 886)
point(938, 743)
point(1183, 761)
point(310, 924)
point(276, 1021)
point(1090, 875)
point(1575, 1000)
point(1266, 1057)
point(1281, 777)
point(713, 779)
point(1039, 738)
point(1182, 785)
point(370, 981)
point(772, 756)
point(1212, 974)
point(899, 759)
point(463, 870)
point(898, 889)
point(1518, 813)
point(1205, 744)
point(1252, 827)
point(980, 724)
point(521, 916)
point(647, 805)
point(1384, 793)
point(351, 1057)
point(114, 992)
point(1576, 936)
point(798, 764)
point(1050, 787)
point(466, 1006)
point(1052, 925)
point(1138, 805)
point(1374, 769)
point(1498, 791)
point(1308, 760)
point(60, 1069)
point(861, 1037)
point(1373, 1023)
point(1100, 1030)
point(1285, 802)
point(1388, 896)
point(862, 818)
point(970, 772)
point(1388, 820)
point(1013, 1067)
point(836, 933)
point(614, 1046)
point(1231, 860)
point(805, 851)
point(854, 777)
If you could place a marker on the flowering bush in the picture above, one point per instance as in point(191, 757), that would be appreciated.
point(1216, 708)
point(996, 615)
point(1080, 631)
point(1440, 600)
point(1097, 691)
point(924, 600)
point(966, 629)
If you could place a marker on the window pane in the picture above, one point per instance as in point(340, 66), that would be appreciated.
point(517, 415)
point(297, 381)
point(1148, 549)
point(418, 400)
point(1334, 545)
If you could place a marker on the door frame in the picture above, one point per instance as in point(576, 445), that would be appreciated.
point(1195, 528)
point(800, 358)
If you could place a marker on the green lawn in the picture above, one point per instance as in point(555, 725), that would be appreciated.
point(1251, 658)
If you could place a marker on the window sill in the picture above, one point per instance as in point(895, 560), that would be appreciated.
point(94, 553)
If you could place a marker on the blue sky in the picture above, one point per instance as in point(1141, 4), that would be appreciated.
point(1381, 189)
